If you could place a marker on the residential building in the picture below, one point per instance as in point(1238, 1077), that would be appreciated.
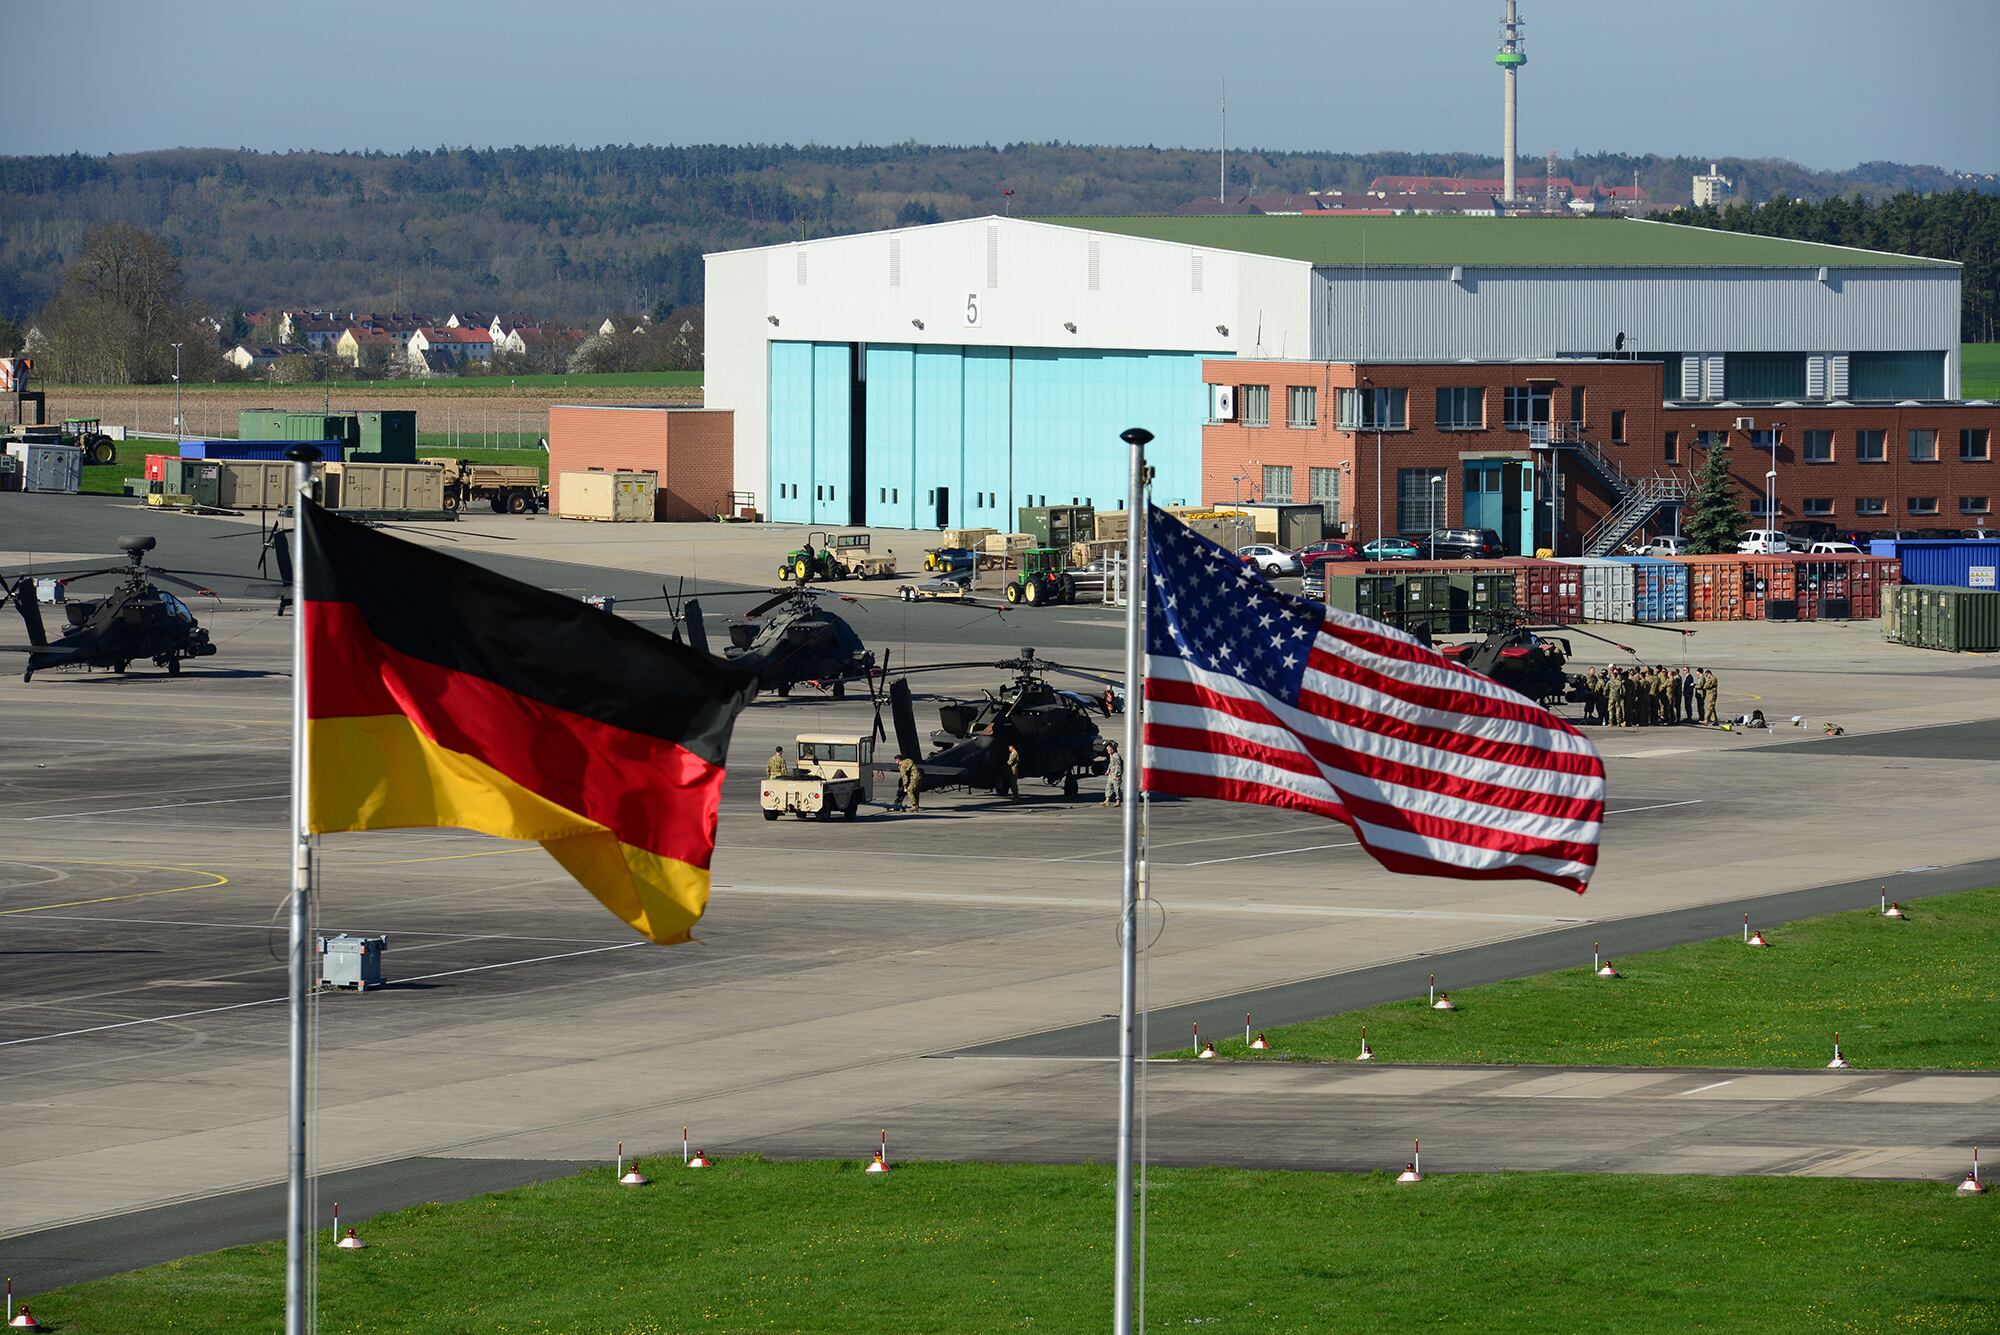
point(1711, 189)
point(446, 350)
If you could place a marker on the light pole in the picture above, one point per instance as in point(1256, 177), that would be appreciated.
point(178, 433)
point(1770, 501)
point(1437, 512)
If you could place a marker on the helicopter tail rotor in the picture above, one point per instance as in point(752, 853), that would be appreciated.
point(31, 611)
point(908, 742)
point(697, 629)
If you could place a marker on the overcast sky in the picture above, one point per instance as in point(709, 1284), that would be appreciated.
point(1828, 83)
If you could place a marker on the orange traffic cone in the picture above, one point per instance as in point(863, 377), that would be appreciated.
point(1367, 1054)
point(1839, 1063)
point(1258, 1044)
point(1413, 1170)
point(1972, 1186)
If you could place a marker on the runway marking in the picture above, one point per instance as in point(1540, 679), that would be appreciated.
point(148, 792)
point(1106, 906)
point(1704, 1089)
point(1274, 853)
point(274, 1001)
point(1657, 806)
point(447, 857)
point(220, 880)
point(163, 806)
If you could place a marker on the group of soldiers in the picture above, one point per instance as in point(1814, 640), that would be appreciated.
point(1645, 696)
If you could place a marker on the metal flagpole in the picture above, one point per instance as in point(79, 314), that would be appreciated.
point(298, 1205)
point(1128, 980)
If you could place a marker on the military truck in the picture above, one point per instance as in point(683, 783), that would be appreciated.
point(831, 772)
point(836, 556)
point(511, 489)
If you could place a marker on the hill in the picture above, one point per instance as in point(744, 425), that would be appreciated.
point(573, 233)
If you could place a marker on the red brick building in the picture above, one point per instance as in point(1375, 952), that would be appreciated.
point(689, 449)
point(1404, 447)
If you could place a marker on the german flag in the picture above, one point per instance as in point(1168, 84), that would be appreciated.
point(440, 694)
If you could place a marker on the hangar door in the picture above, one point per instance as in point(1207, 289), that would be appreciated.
point(817, 469)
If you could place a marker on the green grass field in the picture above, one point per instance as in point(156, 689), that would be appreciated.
point(962, 1248)
point(1979, 370)
point(1920, 993)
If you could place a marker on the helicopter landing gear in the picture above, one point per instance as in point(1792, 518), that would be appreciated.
point(840, 690)
point(120, 666)
point(784, 688)
point(1069, 785)
point(173, 667)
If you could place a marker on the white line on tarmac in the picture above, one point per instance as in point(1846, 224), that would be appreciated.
point(163, 806)
point(1704, 1089)
point(1657, 806)
point(1274, 853)
point(1106, 905)
point(273, 1001)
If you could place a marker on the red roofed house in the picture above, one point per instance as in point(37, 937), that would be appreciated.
point(440, 349)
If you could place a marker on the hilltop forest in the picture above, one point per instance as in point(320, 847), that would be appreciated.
point(572, 234)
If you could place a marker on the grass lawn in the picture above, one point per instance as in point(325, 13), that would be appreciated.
point(1923, 992)
point(820, 1247)
point(1979, 370)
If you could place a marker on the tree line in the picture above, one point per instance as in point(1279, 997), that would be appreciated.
point(573, 234)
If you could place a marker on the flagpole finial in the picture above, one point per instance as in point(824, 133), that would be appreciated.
point(1135, 435)
point(303, 454)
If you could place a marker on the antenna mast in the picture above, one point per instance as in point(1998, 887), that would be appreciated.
point(1222, 176)
point(1509, 58)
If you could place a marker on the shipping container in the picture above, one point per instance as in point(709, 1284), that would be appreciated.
point(1967, 563)
point(1659, 588)
point(625, 498)
point(1947, 617)
point(1476, 593)
point(971, 539)
point(253, 484)
point(200, 480)
point(1607, 587)
point(1290, 526)
point(156, 467)
point(332, 451)
point(261, 423)
point(1373, 596)
point(386, 437)
point(1059, 525)
point(385, 487)
point(1548, 591)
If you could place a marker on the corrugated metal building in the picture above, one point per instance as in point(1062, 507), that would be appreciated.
point(947, 375)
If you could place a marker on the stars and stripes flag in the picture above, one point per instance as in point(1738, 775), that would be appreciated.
point(1256, 696)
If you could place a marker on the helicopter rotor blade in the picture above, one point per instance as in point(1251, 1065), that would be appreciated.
point(163, 577)
point(697, 628)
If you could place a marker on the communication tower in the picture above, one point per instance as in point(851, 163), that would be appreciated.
point(1509, 58)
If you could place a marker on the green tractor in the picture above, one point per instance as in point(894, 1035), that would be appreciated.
point(810, 562)
point(1043, 578)
point(88, 432)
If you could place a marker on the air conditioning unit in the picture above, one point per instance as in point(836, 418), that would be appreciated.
point(1222, 403)
point(1746, 424)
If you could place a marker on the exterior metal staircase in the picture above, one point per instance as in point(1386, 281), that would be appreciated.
point(1636, 502)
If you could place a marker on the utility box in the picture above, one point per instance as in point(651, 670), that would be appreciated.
point(628, 498)
point(387, 437)
point(352, 961)
point(397, 487)
point(46, 466)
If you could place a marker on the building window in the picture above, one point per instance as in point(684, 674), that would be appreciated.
point(1618, 426)
point(1765, 375)
point(1818, 447)
point(1370, 409)
point(1870, 505)
point(1973, 505)
point(1462, 409)
point(1871, 446)
point(1673, 450)
point(1301, 406)
point(1254, 405)
point(1711, 440)
point(1764, 440)
point(1278, 483)
point(1420, 502)
point(1323, 485)
point(1818, 505)
point(1923, 505)
point(1923, 445)
point(1524, 404)
point(1974, 445)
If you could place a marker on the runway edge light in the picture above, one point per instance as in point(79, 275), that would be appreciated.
point(1413, 1171)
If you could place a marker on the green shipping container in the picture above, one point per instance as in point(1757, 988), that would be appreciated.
point(1371, 596)
point(1477, 591)
point(1058, 525)
point(261, 424)
point(1938, 617)
point(387, 438)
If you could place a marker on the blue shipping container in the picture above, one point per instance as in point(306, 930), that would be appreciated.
point(331, 451)
point(1969, 563)
point(1659, 588)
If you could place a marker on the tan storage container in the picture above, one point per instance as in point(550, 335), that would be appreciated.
point(1111, 525)
point(350, 486)
point(253, 484)
point(969, 538)
point(623, 498)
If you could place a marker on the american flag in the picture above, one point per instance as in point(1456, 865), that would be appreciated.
point(1256, 696)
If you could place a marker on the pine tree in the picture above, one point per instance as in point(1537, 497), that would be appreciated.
point(1714, 516)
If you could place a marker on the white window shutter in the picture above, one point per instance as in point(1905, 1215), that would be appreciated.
point(1836, 375)
point(1712, 376)
point(1691, 377)
point(1816, 376)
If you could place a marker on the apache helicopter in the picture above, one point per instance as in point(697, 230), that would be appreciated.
point(1052, 728)
point(789, 639)
point(139, 620)
point(1527, 659)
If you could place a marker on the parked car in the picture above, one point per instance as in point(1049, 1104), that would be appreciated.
point(1833, 547)
point(1762, 542)
point(1329, 549)
point(1273, 561)
point(1804, 531)
point(1665, 546)
point(1462, 544)
point(1390, 549)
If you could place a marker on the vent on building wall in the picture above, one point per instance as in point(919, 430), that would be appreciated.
point(895, 262)
point(802, 268)
point(1194, 272)
point(992, 258)
point(1836, 375)
point(1816, 376)
point(1092, 263)
point(1691, 377)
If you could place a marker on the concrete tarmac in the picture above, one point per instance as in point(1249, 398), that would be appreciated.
point(142, 863)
